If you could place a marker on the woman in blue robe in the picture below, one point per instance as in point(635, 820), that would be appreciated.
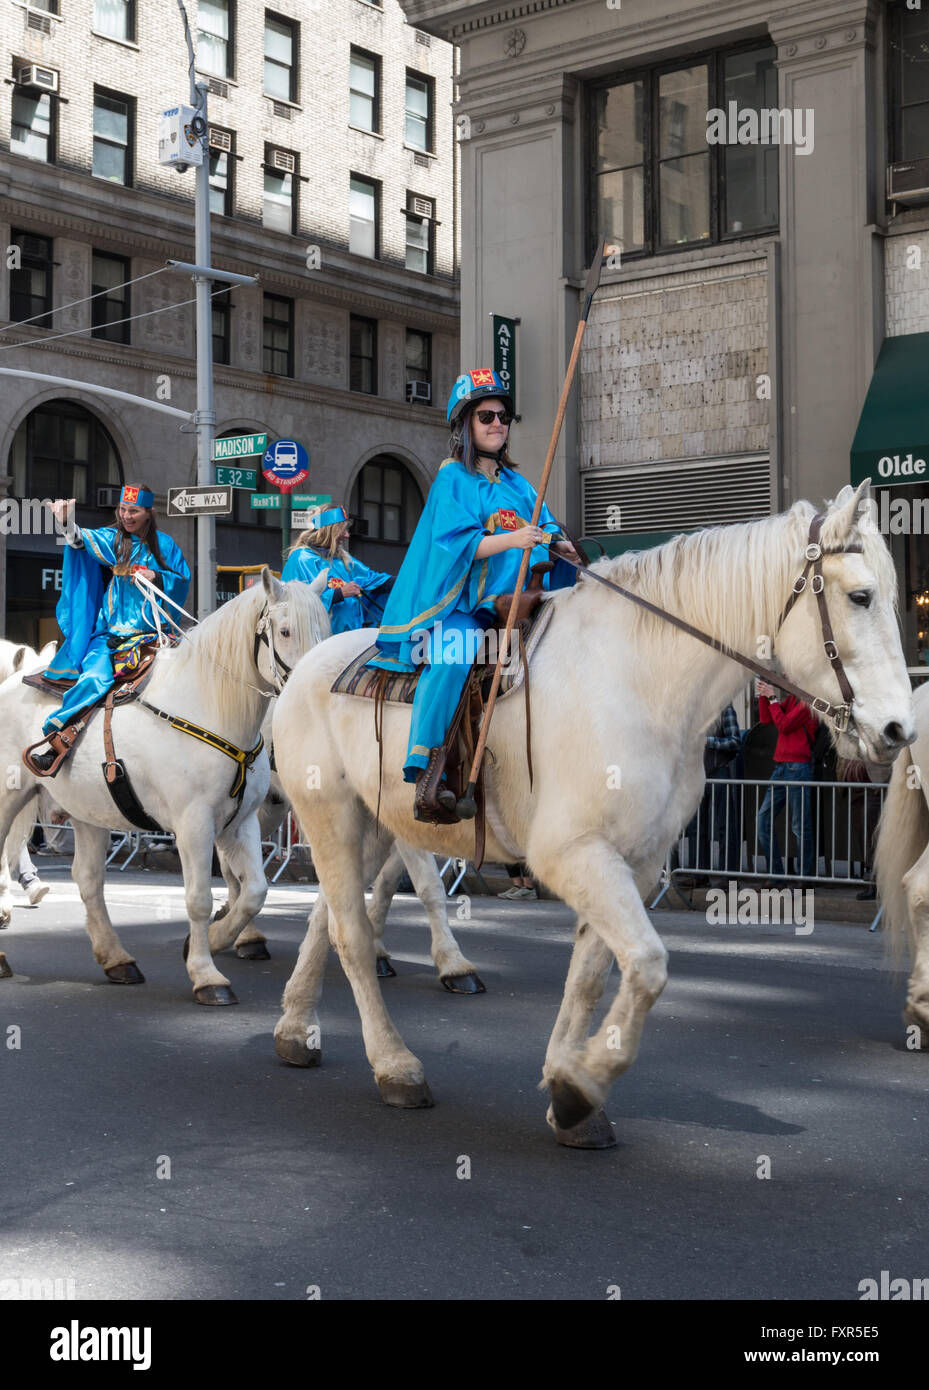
point(464, 555)
point(354, 595)
point(102, 614)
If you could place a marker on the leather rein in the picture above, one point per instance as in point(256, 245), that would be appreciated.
point(841, 714)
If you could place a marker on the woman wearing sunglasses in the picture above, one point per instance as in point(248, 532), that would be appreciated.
point(351, 584)
point(465, 553)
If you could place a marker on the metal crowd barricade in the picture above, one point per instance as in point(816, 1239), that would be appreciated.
point(724, 840)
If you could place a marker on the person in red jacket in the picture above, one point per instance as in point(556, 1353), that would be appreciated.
point(796, 729)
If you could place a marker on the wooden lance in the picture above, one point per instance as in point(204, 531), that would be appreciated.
point(467, 806)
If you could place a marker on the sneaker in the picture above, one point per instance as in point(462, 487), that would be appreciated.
point(524, 893)
point(511, 893)
point(36, 891)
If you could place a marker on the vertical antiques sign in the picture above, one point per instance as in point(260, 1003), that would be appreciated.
point(504, 331)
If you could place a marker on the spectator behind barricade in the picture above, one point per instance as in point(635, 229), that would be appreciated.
point(717, 814)
point(796, 731)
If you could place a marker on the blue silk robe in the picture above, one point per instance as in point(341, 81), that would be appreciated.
point(346, 614)
point(92, 610)
point(440, 575)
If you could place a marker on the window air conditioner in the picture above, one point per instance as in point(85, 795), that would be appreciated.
point(220, 139)
point(421, 207)
point(908, 182)
point(36, 76)
point(108, 496)
point(419, 391)
point(284, 160)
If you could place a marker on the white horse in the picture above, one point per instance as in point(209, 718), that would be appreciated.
point(902, 866)
point(621, 703)
point(18, 659)
point(389, 859)
point(220, 678)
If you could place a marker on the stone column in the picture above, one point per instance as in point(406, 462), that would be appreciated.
point(831, 297)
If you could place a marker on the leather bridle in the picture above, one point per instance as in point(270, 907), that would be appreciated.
point(841, 715)
point(264, 635)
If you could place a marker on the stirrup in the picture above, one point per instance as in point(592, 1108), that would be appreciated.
point(59, 746)
point(433, 802)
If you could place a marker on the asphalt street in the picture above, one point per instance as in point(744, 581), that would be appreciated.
point(280, 1181)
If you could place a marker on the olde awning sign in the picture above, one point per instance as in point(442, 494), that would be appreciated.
point(504, 331)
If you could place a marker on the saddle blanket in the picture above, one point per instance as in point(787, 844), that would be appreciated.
point(400, 688)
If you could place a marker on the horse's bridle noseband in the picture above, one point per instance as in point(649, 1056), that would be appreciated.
point(264, 634)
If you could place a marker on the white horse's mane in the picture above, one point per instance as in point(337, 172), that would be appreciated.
point(218, 653)
point(746, 567)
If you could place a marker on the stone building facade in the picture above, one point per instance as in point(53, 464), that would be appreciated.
point(333, 181)
point(733, 348)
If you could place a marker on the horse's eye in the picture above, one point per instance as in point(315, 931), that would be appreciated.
point(285, 632)
point(861, 597)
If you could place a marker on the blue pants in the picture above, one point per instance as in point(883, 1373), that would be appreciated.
point(91, 685)
point(798, 802)
point(451, 651)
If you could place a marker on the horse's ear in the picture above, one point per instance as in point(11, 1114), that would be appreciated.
point(272, 587)
point(18, 658)
point(320, 582)
point(48, 651)
point(845, 513)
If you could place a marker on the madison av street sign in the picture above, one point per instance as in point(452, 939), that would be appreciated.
point(240, 446)
point(199, 501)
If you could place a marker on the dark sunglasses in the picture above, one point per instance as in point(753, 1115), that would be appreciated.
point(487, 417)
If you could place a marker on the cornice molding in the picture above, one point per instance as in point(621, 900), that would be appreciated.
point(444, 18)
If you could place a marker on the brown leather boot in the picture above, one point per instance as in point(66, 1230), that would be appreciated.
point(59, 746)
point(434, 802)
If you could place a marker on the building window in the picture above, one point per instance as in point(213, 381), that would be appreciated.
point(47, 6)
point(280, 58)
point(214, 37)
point(222, 166)
point(221, 311)
point(363, 217)
point(109, 276)
point(655, 183)
point(385, 495)
point(363, 356)
point(279, 210)
point(33, 128)
point(909, 85)
point(115, 19)
point(418, 362)
point(113, 123)
point(420, 221)
point(278, 338)
point(31, 280)
point(364, 83)
point(418, 110)
point(62, 450)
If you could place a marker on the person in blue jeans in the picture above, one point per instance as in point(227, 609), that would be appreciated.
point(796, 729)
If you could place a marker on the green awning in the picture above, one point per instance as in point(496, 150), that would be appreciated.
point(616, 542)
point(892, 442)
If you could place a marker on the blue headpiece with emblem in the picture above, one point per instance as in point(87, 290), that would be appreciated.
point(134, 496)
point(473, 386)
point(330, 517)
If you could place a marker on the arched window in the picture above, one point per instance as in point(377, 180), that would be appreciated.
point(62, 450)
point(387, 497)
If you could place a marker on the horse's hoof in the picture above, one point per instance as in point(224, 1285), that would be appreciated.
point(126, 974)
point(297, 1053)
point(406, 1094)
point(253, 950)
point(569, 1105)
point(5, 971)
point(215, 994)
point(385, 970)
point(595, 1132)
point(464, 984)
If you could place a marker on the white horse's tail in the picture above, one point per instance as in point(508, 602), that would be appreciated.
point(904, 836)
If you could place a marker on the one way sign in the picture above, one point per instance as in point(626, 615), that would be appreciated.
point(199, 501)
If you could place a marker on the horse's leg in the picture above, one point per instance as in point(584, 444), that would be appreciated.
point(591, 961)
point(14, 808)
point(240, 855)
point(916, 1009)
point(599, 885)
point(16, 836)
point(195, 846)
point(297, 1037)
point(457, 974)
point(337, 840)
point(88, 869)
